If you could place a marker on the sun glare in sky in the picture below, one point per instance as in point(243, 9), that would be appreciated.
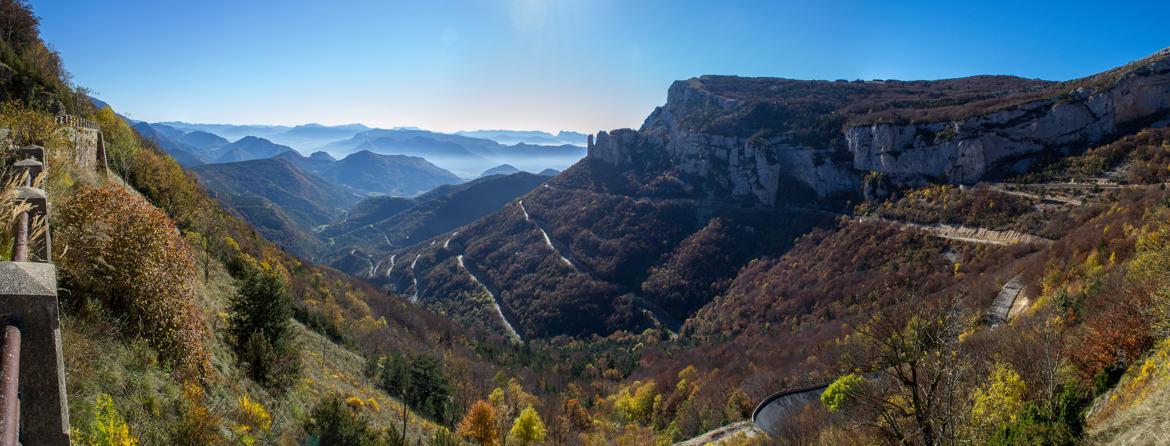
point(582, 65)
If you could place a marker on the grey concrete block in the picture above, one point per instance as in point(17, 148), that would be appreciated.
point(28, 291)
point(34, 152)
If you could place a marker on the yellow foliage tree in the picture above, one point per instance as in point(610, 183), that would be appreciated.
point(528, 428)
point(638, 405)
point(1000, 401)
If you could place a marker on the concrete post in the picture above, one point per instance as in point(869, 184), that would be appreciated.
point(32, 167)
point(28, 292)
point(34, 152)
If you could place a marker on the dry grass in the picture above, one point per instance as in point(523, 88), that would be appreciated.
point(1137, 410)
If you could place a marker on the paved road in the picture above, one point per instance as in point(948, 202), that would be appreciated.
point(1048, 198)
point(998, 313)
point(414, 277)
point(495, 302)
point(771, 414)
point(964, 233)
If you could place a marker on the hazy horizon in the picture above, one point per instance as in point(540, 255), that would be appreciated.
point(574, 65)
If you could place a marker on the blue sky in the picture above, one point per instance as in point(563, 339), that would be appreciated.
point(583, 65)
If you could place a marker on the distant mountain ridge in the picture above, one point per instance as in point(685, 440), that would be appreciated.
point(512, 137)
point(373, 174)
point(463, 155)
point(467, 154)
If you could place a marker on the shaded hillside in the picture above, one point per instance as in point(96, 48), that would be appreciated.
point(203, 140)
point(271, 222)
point(434, 212)
point(246, 148)
point(368, 211)
point(373, 174)
point(386, 174)
point(184, 153)
point(561, 248)
point(307, 199)
point(502, 169)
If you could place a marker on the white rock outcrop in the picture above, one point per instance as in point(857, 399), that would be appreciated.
point(966, 150)
point(766, 170)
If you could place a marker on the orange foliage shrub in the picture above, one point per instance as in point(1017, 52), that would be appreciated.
point(125, 253)
point(479, 423)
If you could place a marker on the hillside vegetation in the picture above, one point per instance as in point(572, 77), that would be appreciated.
point(622, 301)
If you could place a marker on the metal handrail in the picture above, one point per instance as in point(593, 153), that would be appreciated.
point(9, 386)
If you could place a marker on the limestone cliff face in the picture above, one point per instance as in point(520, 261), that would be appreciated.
point(727, 167)
point(965, 151)
point(769, 169)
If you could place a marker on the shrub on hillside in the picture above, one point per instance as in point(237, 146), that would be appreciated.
point(120, 140)
point(334, 423)
point(118, 249)
point(261, 334)
point(420, 382)
point(30, 126)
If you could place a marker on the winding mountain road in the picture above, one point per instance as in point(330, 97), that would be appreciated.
point(771, 413)
point(998, 313)
point(1048, 198)
point(495, 301)
point(353, 252)
point(654, 311)
point(963, 233)
point(547, 241)
point(414, 298)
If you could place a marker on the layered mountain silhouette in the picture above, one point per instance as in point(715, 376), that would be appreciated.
point(370, 173)
point(511, 137)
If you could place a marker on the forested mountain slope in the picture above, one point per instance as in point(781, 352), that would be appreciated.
point(661, 220)
point(377, 226)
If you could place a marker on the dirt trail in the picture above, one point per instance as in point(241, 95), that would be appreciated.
point(495, 301)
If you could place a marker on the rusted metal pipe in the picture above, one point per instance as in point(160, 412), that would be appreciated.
point(9, 386)
point(20, 245)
